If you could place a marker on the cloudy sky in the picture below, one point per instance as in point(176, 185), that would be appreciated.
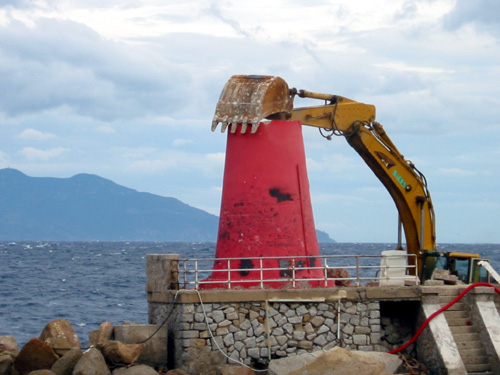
point(127, 90)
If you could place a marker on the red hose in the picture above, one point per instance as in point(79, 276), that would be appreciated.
point(424, 324)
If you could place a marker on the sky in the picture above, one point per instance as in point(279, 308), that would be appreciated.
point(127, 90)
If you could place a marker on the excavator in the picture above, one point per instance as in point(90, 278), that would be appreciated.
point(247, 100)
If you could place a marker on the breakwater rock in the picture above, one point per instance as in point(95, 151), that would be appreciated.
point(58, 352)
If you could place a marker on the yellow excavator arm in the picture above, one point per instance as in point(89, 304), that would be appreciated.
point(249, 99)
point(406, 185)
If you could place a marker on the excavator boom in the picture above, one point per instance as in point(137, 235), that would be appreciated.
point(406, 185)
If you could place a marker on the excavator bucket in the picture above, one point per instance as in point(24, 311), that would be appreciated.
point(248, 99)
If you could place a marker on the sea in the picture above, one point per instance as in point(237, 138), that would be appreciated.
point(88, 283)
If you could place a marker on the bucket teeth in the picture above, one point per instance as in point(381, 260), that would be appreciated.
point(233, 126)
point(214, 124)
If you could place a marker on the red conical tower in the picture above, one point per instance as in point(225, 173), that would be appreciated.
point(266, 212)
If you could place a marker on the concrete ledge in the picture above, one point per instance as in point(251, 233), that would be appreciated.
point(394, 293)
point(291, 295)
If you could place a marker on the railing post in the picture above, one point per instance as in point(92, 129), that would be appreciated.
point(357, 271)
point(184, 266)
point(261, 274)
point(228, 274)
point(325, 266)
point(196, 274)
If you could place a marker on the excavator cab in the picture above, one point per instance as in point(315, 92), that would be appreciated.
point(463, 265)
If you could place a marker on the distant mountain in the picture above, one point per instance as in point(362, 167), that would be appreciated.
point(323, 237)
point(89, 207)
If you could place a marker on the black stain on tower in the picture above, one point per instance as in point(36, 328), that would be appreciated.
point(245, 264)
point(278, 194)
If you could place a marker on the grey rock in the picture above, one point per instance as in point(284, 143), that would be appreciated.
point(66, 364)
point(288, 328)
point(254, 353)
point(228, 339)
point(91, 363)
point(218, 316)
point(295, 320)
point(320, 340)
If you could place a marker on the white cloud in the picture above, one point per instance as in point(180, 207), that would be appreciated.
point(482, 14)
point(32, 154)
point(109, 80)
point(35, 135)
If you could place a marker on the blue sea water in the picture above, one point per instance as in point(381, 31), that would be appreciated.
point(88, 283)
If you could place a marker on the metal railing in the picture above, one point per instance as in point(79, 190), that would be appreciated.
point(344, 270)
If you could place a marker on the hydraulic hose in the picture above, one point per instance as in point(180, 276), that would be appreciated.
point(433, 315)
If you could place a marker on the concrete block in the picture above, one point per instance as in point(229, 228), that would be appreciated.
point(155, 348)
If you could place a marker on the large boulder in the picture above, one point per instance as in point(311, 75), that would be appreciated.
point(8, 344)
point(60, 344)
point(117, 352)
point(61, 336)
point(8, 353)
point(35, 355)
point(67, 363)
point(91, 363)
point(105, 333)
point(337, 361)
point(283, 366)
point(154, 338)
point(6, 362)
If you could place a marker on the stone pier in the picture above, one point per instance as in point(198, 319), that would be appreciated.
point(256, 326)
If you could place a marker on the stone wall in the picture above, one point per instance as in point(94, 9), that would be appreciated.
point(255, 332)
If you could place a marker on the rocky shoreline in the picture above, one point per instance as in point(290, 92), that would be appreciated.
point(58, 351)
